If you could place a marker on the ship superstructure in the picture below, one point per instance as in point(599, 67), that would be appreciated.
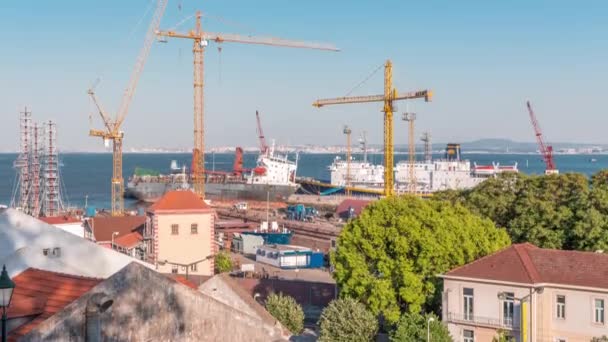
point(449, 173)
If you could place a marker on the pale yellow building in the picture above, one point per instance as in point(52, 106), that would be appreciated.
point(179, 234)
point(531, 293)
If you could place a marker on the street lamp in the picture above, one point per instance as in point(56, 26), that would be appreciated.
point(428, 328)
point(6, 293)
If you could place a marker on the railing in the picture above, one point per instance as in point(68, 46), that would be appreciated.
point(507, 323)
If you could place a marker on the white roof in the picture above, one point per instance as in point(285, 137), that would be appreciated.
point(23, 239)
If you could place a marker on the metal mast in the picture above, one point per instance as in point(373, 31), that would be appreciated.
point(22, 163)
point(201, 40)
point(35, 198)
point(428, 154)
point(348, 132)
point(410, 118)
point(390, 95)
point(51, 201)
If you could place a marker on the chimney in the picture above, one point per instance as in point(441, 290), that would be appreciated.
point(97, 304)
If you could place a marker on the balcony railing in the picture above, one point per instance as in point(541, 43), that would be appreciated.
point(502, 323)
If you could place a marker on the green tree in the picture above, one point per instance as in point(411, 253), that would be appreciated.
point(604, 338)
point(223, 262)
point(287, 311)
point(345, 320)
point(413, 327)
point(565, 211)
point(502, 336)
point(388, 257)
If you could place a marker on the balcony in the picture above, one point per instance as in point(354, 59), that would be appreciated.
point(488, 322)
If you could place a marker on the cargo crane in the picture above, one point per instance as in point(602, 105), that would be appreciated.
point(263, 145)
point(390, 95)
point(545, 150)
point(112, 130)
point(200, 40)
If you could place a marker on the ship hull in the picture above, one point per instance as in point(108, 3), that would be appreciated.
point(151, 192)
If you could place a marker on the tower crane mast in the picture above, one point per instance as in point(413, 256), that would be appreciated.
point(390, 95)
point(112, 130)
point(200, 40)
point(545, 150)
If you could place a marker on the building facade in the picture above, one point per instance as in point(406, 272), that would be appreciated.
point(179, 234)
point(530, 293)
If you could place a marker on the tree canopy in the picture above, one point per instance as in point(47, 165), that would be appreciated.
point(388, 258)
point(285, 309)
point(346, 320)
point(565, 211)
point(223, 262)
point(413, 327)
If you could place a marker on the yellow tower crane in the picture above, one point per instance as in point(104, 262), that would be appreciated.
point(348, 132)
point(112, 130)
point(410, 118)
point(201, 39)
point(390, 95)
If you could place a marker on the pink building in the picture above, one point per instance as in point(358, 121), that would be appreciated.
point(531, 293)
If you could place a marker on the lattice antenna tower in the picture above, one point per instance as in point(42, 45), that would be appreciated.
point(428, 153)
point(51, 198)
point(22, 163)
point(35, 197)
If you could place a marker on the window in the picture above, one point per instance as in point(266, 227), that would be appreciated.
point(193, 268)
point(174, 269)
point(194, 228)
point(468, 303)
point(599, 311)
point(560, 340)
point(561, 307)
point(507, 308)
point(468, 335)
point(46, 251)
point(174, 229)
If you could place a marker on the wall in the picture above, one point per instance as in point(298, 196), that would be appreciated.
point(74, 228)
point(487, 308)
point(185, 247)
point(578, 324)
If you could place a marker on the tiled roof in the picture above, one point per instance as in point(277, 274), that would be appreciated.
point(179, 200)
point(103, 227)
point(182, 280)
point(528, 264)
point(44, 293)
point(356, 204)
point(60, 219)
point(129, 240)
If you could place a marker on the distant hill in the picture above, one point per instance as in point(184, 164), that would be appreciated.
point(503, 145)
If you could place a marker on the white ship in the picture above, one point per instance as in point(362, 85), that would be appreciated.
point(449, 173)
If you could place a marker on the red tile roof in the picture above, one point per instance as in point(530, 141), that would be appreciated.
point(103, 227)
point(60, 219)
point(179, 201)
point(356, 204)
point(129, 240)
point(184, 281)
point(528, 264)
point(44, 293)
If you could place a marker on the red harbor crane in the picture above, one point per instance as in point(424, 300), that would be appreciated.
point(545, 150)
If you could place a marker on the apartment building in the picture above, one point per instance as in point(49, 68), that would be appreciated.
point(530, 293)
point(179, 234)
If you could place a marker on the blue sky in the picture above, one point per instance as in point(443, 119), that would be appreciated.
point(482, 59)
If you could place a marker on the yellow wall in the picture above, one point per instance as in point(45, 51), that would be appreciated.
point(185, 247)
